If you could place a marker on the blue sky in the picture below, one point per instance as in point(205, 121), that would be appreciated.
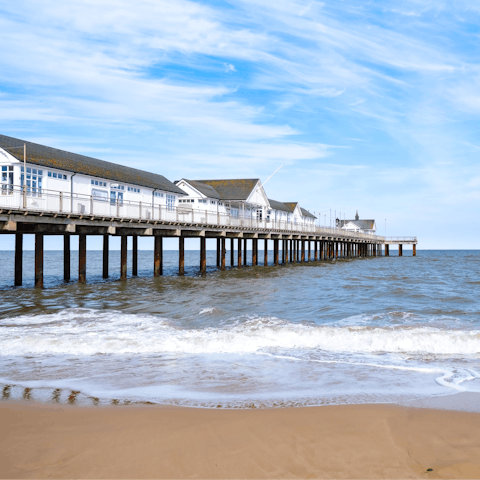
point(370, 105)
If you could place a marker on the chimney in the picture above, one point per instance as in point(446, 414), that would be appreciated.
point(356, 216)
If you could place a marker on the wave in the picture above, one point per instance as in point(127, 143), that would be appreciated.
point(90, 332)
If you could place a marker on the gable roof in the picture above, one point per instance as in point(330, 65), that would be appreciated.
point(234, 189)
point(203, 188)
point(306, 213)
point(291, 206)
point(73, 162)
point(278, 205)
point(362, 224)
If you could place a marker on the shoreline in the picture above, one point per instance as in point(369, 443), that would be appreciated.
point(159, 441)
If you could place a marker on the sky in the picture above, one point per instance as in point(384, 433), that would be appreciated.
point(370, 105)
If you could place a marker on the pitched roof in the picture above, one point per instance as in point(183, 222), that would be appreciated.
point(362, 224)
point(290, 205)
point(72, 162)
point(234, 189)
point(306, 213)
point(278, 205)
point(203, 188)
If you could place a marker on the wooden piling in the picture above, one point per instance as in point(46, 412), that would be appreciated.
point(223, 252)
point(105, 256)
point(286, 258)
point(203, 255)
point(123, 257)
point(400, 250)
point(291, 251)
point(18, 259)
point(245, 250)
point(239, 253)
point(82, 258)
point(302, 257)
point(275, 252)
point(219, 247)
point(414, 250)
point(255, 251)
point(309, 251)
point(66, 258)
point(39, 260)
point(181, 255)
point(135, 255)
point(232, 252)
point(158, 256)
point(265, 252)
point(387, 250)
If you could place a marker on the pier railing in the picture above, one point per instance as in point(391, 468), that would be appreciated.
point(50, 201)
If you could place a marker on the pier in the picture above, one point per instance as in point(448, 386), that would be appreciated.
point(57, 216)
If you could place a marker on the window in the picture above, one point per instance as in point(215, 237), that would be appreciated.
point(99, 183)
point(158, 194)
point(213, 202)
point(234, 212)
point(61, 176)
point(133, 189)
point(34, 181)
point(117, 187)
point(170, 202)
point(7, 180)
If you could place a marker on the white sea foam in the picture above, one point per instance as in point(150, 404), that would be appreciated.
point(89, 332)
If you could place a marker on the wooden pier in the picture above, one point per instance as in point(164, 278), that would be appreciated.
point(296, 246)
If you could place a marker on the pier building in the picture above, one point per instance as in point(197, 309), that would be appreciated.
point(47, 191)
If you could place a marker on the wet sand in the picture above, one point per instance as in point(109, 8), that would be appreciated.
point(351, 441)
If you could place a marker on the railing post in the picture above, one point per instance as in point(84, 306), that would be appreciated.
point(61, 202)
point(140, 212)
point(91, 204)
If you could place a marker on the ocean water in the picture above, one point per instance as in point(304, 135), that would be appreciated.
point(397, 329)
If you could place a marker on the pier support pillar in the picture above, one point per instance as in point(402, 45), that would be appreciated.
point(275, 252)
point(414, 250)
point(315, 246)
point(302, 256)
point(39, 260)
point(105, 256)
point(135, 255)
point(123, 257)
point(309, 251)
point(181, 255)
point(290, 250)
point(265, 253)
point(336, 250)
point(223, 253)
point(203, 255)
point(294, 244)
point(387, 250)
point(400, 250)
point(255, 252)
point(18, 258)
point(66, 258)
point(286, 259)
point(82, 258)
point(232, 253)
point(245, 263)
point(158, 256)
point(239, 253)
point(219, 247)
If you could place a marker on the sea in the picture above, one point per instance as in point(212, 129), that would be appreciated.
point(370, 330)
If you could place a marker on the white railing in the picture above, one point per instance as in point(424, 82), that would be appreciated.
point(400, 239)
point(60, 202)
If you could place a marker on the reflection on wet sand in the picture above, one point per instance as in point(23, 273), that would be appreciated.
point(6, 392)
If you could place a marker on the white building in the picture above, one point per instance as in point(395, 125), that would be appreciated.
point(88, 185)
point(357, 225)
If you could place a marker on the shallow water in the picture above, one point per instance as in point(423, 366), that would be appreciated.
point(368, 330)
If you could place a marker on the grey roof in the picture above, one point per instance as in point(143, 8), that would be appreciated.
point(278, 205)
point(72, 162)
point(290, 205)
point(233, 189)
point(203, 188)
point(362, 224)
point(306, 213)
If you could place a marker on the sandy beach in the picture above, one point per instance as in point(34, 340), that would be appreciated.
point(351, 441)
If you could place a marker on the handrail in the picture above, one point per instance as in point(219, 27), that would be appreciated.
point(53, 201)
